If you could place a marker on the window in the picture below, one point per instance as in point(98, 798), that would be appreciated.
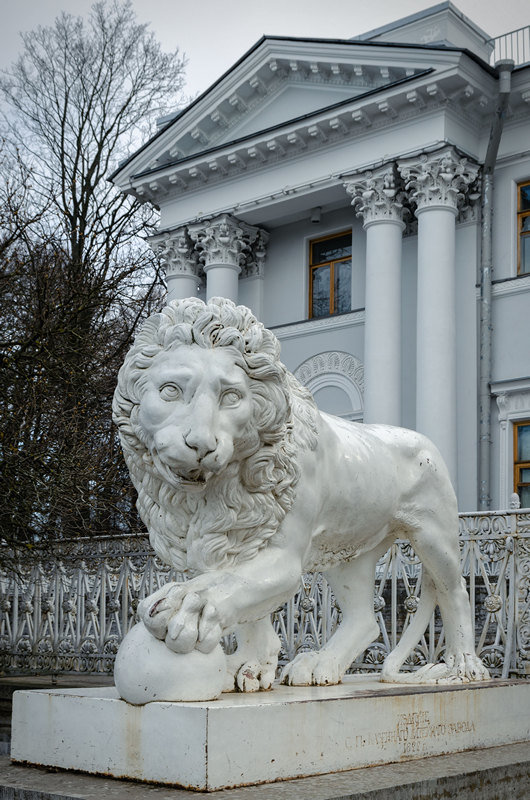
point(521, 452)
point(523, 228)
point(330, 275)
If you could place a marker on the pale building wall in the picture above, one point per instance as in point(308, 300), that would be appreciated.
point(511, 341)
point(467, 248)
point(286, 289)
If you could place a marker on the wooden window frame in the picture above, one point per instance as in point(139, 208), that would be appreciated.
point(518, 465)
point(313, 267)
point(521, 215)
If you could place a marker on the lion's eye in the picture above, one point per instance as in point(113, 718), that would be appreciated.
point(170, 391)
point(230, 398)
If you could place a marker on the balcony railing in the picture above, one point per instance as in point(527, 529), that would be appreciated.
point(514, 45)
point(67, 612)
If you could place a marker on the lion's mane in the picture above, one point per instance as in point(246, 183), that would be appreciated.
point(241, 509)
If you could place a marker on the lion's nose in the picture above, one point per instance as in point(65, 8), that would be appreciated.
point(202, 440)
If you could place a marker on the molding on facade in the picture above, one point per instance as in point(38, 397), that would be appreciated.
point(512, 286)
point(319, 325)
point(185, 166)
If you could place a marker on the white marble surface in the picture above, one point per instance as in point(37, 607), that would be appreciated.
point(251, 738)
point(244, 484)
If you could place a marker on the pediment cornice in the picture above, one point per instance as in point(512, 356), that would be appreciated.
point(351, 69)
point(414, 96)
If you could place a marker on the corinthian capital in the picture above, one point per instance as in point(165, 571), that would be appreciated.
point(255, 261)
point(377, 195)
point(228, 241)
point(178, 253)
point(442, 178)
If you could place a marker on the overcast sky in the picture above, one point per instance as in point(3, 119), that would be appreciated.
point(215, 33)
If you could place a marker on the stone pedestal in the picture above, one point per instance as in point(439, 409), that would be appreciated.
point(255, 738)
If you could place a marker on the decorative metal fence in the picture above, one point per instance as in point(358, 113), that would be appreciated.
point(67, 612)
point(514, 45)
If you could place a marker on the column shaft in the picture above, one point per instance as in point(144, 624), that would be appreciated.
point(382, 328)
point(438, 184)
point(436, 331)
point(222, 280)
point(377, 196)
point(180, 286)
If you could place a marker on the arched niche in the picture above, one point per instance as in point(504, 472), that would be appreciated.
point(336, 380)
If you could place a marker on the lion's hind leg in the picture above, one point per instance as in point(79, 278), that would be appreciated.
point(253, 665)
point(353, 586)
point(436, 544)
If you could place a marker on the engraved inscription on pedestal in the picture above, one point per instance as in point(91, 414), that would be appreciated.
point(412, 733)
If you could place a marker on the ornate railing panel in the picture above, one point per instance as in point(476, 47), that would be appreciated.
point(68, 611)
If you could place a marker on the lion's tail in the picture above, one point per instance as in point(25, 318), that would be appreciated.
point(411, 636)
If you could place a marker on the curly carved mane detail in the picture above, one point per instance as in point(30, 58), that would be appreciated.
point(241, 509)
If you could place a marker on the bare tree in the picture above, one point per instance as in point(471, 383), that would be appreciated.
point(75, 274)
point(79, 95)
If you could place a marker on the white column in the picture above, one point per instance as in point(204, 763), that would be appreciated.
point(437, 183)
point(376, 196)
point(222, 280)
point(226, 246)
point(221, 243)
point(181, 264)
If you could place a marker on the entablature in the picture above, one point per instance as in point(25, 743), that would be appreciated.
point(317, 74)
point(409, 98)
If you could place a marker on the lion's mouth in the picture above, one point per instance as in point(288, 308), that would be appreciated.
point(193, 478)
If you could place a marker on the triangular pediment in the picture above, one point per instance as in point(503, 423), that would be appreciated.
point(292, 100)
point(278, 81)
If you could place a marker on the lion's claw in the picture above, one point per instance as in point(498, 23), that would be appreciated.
point(184, 618)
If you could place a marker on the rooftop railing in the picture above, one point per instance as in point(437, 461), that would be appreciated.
point(67, 611)
point(514, 46)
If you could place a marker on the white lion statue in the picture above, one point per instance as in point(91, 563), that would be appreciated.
point(245, 485)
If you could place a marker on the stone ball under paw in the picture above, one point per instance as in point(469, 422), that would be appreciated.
point(146, 671)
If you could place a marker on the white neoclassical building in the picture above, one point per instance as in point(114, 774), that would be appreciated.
point(369, 199)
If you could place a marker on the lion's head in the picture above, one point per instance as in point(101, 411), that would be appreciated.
point(210, 424)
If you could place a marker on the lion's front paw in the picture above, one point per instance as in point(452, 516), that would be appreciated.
point(316, 668)
point(252, 677)
point(184, 618)
point(155, 610)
